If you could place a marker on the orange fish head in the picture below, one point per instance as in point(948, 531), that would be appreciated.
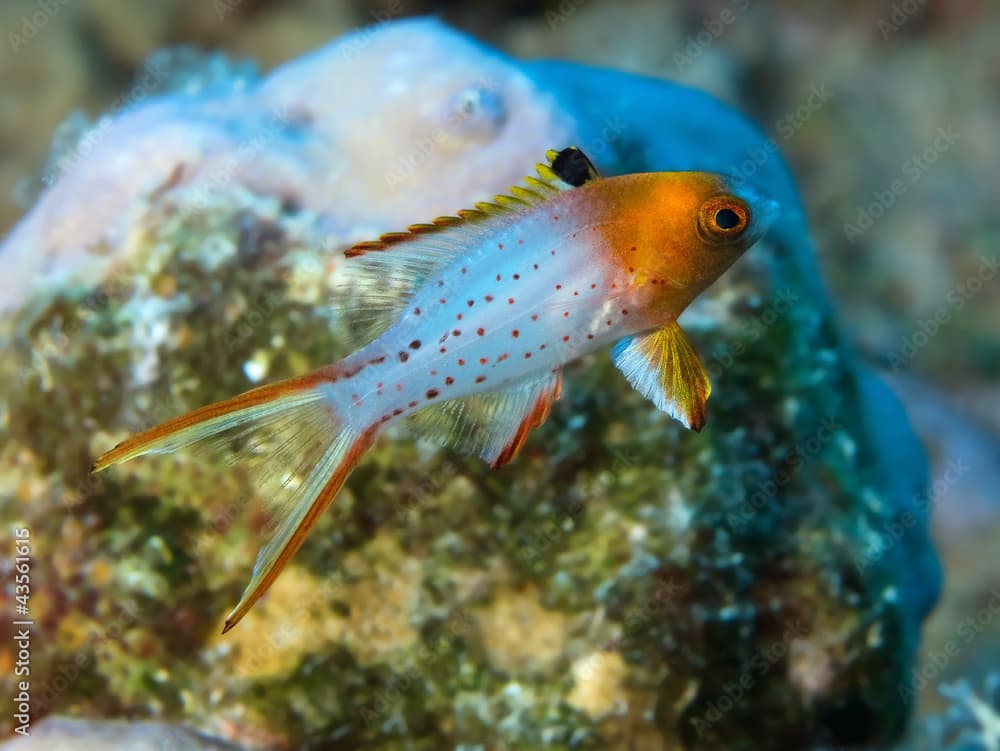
point(686, 229)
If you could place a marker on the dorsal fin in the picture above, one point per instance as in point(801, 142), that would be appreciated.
point(566, 169)
point(572, 166)
point(378, 285)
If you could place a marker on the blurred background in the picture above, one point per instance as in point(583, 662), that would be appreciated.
point(885, 111)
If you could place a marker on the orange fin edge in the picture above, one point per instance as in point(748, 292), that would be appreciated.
point(316, 509)
point(538, 414)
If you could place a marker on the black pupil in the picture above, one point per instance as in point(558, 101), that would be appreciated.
point(727, 219)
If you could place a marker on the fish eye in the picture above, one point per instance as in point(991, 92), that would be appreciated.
point(723, 219)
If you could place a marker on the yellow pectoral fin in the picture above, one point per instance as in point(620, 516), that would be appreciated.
point(663, 367)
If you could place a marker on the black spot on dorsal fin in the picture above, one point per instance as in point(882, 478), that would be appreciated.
point(573, 167)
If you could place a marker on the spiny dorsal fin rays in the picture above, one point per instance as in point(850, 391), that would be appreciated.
point(566, 169)
point(572, 166)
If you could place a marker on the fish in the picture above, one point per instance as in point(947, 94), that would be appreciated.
point(472, 319)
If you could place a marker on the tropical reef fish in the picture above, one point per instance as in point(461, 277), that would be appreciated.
point(474, 317)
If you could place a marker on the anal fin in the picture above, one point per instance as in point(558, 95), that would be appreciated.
point(494, 424)
point(664, 367)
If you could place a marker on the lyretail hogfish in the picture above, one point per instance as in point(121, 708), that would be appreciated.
point(480, 312)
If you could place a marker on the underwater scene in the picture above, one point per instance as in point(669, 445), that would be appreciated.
point(540, 374)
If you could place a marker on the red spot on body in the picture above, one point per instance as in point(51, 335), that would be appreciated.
point(517, 276)
point(565, 314)
point(442, 301)
point(500, 246)
point(397, 412)
point(624, 312)
point(415, 344)
point(461, 362)
point(480, 331)
point(458, 317)
point(502, 357)
point(510, 300)
point(558, 286)
point(403, 357)
point(609, 322)
point(535, 266)
point(534, 316)
point(448, 381)
point(488, 298)
point(432, 393)
point(590, 336)
point(555, 218)
point(413, 404)
point(541, 346)
point(470, 303)
point(443, 350)
point(515, 333)
point(480, 378)
point(483, 360)
point(520, 242)
point(576, 293)
point(399, 387)
point(465, 270)
point(416, 311)
point(593, 286)
point(498, 277)
point(527, 355)
point(566, 337)
point(456, 332)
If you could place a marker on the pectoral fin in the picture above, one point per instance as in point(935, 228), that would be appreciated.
point(663, 366)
